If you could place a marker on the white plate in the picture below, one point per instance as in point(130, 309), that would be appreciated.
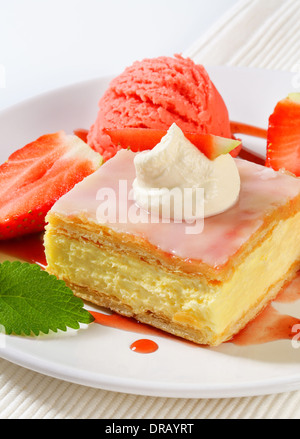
point(99, 356)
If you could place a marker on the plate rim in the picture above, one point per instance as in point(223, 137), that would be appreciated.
point(154, 388)
point(112, 75)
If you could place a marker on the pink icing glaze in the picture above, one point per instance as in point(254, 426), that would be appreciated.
point(262, 190)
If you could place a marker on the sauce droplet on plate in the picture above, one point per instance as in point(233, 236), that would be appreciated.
point(269, 326)
point(144, 346)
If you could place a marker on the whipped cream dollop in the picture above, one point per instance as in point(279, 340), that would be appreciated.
point(175, 180)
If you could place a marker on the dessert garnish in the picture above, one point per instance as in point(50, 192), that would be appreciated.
point(169, 175)
point(283, 142)
point(34, 302)
point(141, 139)
point(36, 176)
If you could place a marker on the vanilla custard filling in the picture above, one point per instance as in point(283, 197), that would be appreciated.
point(180, 297)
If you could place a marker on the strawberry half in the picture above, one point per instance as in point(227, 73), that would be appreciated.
point(283, 140)
point(36, 176)
point(141, 139)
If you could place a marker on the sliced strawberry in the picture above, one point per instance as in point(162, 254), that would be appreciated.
point(36, 176)
point(237, 150)
point(283, 140)
point(141, 139)
point(82, 133)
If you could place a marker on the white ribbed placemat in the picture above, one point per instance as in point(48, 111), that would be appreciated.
point(256, 33)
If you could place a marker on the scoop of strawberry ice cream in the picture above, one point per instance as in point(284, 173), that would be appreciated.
point(155, 93)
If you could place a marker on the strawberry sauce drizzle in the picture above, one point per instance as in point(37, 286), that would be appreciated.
point(236, 128)
point(29, 248)
point(126, 324)
point(242, 128)
point(250, 130)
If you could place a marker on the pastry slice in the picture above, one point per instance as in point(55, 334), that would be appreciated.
point(204, 287)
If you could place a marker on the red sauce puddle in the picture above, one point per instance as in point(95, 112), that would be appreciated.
point(29, 248)
point(250, 130)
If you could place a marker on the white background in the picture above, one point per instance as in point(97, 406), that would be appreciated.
point(46, 44)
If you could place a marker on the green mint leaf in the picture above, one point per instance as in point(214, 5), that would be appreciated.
point(33, 301)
